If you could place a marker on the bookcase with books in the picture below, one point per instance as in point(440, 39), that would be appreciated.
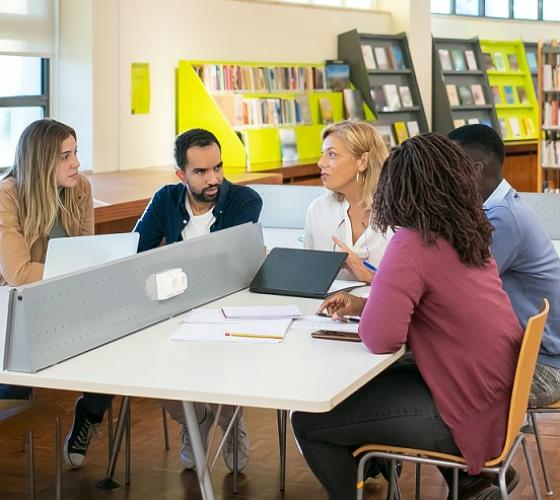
point(264, 114)
point(532, 62)
point(381, 68)
point(512, 88)
point(461, 94)
point(549, 107)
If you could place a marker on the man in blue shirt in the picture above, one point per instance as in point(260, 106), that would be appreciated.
point(203, 202)
point(527, 261)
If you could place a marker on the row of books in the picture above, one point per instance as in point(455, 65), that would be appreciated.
point(511, 95)
point(459, 122)
point(551, 152)
point(389, 97)
point(383, 58)
point(497, 61)
point(551, 113)
point(457, 60)
point(397, 132)
point(241, 111)
point(516, 127)
point(220, 77)
point(464, 95)
point(551, 76)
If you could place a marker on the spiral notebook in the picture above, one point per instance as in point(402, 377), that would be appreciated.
point(262, 312)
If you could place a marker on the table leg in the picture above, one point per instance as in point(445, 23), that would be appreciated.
point(198, 450)
point(109, 483)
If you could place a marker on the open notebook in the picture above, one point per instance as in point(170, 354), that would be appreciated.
point(242, 324)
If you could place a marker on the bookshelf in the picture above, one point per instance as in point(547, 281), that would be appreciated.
point(532, 62)
point(251, 106)
point(381, 68)
point(512, 88)
point(549, 114)
point(461, 93)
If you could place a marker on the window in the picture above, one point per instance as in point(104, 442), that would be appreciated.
point(23, 99)
point(551, 10)
point(467, 7)
point(526, 9)
point(496, 8)
point(532, 10)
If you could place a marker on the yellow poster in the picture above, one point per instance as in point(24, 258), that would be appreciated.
point(140, 88)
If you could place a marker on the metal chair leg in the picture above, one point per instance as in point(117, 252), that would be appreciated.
point(109, 483)
point(128, 447)
point(58, 459)
point(455, 484)
point(417, 481)
point(31, 456)
point(235, 439)
point(282, 416)
point(533, 418)
point(165, 432)
point(531, 469)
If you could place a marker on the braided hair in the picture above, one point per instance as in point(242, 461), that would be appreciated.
point(430, 185)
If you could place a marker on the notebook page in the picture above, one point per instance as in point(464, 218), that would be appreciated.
point(261, 312)
point(312, 323)
point(272, 331)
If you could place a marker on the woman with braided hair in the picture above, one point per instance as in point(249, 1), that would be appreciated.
point(437, 290)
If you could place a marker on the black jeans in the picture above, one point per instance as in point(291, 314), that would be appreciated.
point(395, 408)
point(95, 404)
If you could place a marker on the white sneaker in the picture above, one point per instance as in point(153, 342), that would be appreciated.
point(187, 455)
point(243, 446)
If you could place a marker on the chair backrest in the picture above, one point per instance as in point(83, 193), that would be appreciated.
point(285, 206)
point(524, 375)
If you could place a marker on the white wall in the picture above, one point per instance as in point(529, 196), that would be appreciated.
point(493, 29)
point(165, 31)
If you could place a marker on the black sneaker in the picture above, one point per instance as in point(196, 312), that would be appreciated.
point(79, 436)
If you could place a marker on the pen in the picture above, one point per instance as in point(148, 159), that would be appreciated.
point(253, 335)
point(369, 265)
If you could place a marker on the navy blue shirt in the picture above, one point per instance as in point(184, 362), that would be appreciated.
point(166, 215)
point(528, 264)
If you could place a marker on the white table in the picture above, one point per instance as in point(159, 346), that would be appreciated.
point(299, 373)
point(283, 237)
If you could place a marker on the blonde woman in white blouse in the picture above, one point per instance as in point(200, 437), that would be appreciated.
point(352, 157)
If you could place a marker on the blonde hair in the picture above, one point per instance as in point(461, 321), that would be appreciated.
point(35, 167)
point(359, 138)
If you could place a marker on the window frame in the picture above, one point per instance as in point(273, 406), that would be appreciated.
point(41, 100)
point(482, 12)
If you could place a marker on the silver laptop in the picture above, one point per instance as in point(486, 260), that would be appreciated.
point(75, 253)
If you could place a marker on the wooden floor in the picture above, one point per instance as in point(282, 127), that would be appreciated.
point(157, 473)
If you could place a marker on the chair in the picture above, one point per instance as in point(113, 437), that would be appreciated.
point(23, 416)
point(553, 408)
point(518, 406)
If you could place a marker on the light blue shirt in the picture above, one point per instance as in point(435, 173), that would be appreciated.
point(528, 264)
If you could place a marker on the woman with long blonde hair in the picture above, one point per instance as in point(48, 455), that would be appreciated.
point(351, 160)
point(42, 197)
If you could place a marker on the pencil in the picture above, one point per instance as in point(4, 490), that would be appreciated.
point(253, 335)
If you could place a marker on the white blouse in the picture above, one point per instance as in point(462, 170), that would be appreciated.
point(327, 217)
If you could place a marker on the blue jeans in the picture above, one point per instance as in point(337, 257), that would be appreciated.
point(395, 408)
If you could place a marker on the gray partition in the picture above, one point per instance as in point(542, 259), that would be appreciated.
point(547, 207)
point(285, 206)
point(55, 319)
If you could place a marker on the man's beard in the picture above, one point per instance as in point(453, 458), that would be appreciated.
point(202, 197)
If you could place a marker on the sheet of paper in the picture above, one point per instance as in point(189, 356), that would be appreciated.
point(205, 315)
point(313, 323)
point(140, 88)
point(269, 332)
point(261, 312)
point(344, 285)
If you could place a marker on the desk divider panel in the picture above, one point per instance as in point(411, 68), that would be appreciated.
point(55, 319)
point(285, 206)
point(547, 208)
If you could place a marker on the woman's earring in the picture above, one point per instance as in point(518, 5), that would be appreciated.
point(360, 177)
